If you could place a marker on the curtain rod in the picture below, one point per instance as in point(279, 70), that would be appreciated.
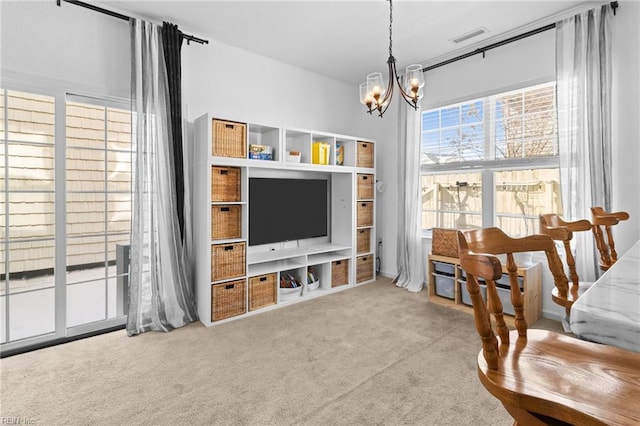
point(95, 8)
point(614, 6)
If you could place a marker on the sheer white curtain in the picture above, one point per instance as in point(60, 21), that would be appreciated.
point(159, 295)
point(409, 256)
point(583, 74)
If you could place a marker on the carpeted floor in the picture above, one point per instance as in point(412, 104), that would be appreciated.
point(371, 355)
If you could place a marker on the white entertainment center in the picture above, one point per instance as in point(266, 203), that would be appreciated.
point(234, 279)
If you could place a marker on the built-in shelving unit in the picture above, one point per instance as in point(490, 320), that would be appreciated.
point(339, 261)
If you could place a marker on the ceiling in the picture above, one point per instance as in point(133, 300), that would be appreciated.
point(342, 39)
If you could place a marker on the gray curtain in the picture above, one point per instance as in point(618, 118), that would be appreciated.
point(160, 298)
point(409, 255)
point(583, 76)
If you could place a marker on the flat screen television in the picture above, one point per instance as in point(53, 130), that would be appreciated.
point(287, 209)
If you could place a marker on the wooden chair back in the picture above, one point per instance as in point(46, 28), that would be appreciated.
point(558, 229)
point(495, 241)
point(606, 246)
point(542, 377)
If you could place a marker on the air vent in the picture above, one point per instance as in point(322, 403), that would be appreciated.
point(470, 34)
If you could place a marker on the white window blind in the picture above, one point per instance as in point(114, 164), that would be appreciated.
point(508, 126)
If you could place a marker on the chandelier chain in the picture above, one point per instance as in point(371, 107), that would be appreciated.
point(390, 26)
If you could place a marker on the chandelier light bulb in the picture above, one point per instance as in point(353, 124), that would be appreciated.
point(375, 85)
point(414, 81)
point(366, 97)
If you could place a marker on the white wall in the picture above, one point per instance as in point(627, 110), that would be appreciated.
point(234, 83)
point(511, 66)
point(69, 47)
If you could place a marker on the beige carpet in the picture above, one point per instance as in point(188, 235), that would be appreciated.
point(372, 355)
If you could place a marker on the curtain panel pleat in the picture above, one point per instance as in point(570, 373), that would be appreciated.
point(172, 45)
point(160, 297)
point(583, 77)
point(409, 252)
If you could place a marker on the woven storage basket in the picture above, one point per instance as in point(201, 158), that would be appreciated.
point(225, 184)
point(225, 222)
point(227, 299)
point(227, 261)
point(364, 213)
point(229, 139)
point(364, 154)
point(364, 268)
point(444, 242)
point(339, 272)
point(363, 240)
point(262, 291)
point(366, 186)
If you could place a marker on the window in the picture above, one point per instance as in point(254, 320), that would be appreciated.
point(491, 162)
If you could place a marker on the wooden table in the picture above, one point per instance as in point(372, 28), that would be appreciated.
point(609, 311)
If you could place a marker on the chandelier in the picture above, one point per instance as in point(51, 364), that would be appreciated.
point(373, 94)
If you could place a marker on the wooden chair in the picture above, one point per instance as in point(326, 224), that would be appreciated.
point(559, 230)
point(600, 218)
point(543, 377)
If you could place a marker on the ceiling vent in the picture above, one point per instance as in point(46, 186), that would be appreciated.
point(470, 34)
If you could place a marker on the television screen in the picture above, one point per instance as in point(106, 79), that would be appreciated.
point(287, 209)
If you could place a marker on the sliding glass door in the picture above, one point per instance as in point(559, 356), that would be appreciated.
point(65, 210)
point(98, 207)
point(27, 219)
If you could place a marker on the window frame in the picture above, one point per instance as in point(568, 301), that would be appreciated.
point(488, 167)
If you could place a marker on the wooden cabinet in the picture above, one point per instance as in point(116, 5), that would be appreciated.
point(447, 286)
point(236, 279)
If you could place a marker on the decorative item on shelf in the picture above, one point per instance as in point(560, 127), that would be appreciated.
point(289, 281)
point(229, 139)
point(339, 154)
point(320, 153)
point(260, 152)
point(373, 94)
point(228, 299)
point(364, 154)
point(313, 281)
point(290, 287)
point(339, 272)
point(444, 242)
point(293, 156)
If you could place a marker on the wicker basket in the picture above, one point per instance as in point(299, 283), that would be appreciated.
point(227, 300)
point(364, 154)
point(366, 187)
point(229, 139)
point(364, 268)
point(444, 242)
point(339, 272)
point(363, 240)
point(263, 291)
point(225, 222)
point(227, 261)
point(364, 213)
point(225, 184)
